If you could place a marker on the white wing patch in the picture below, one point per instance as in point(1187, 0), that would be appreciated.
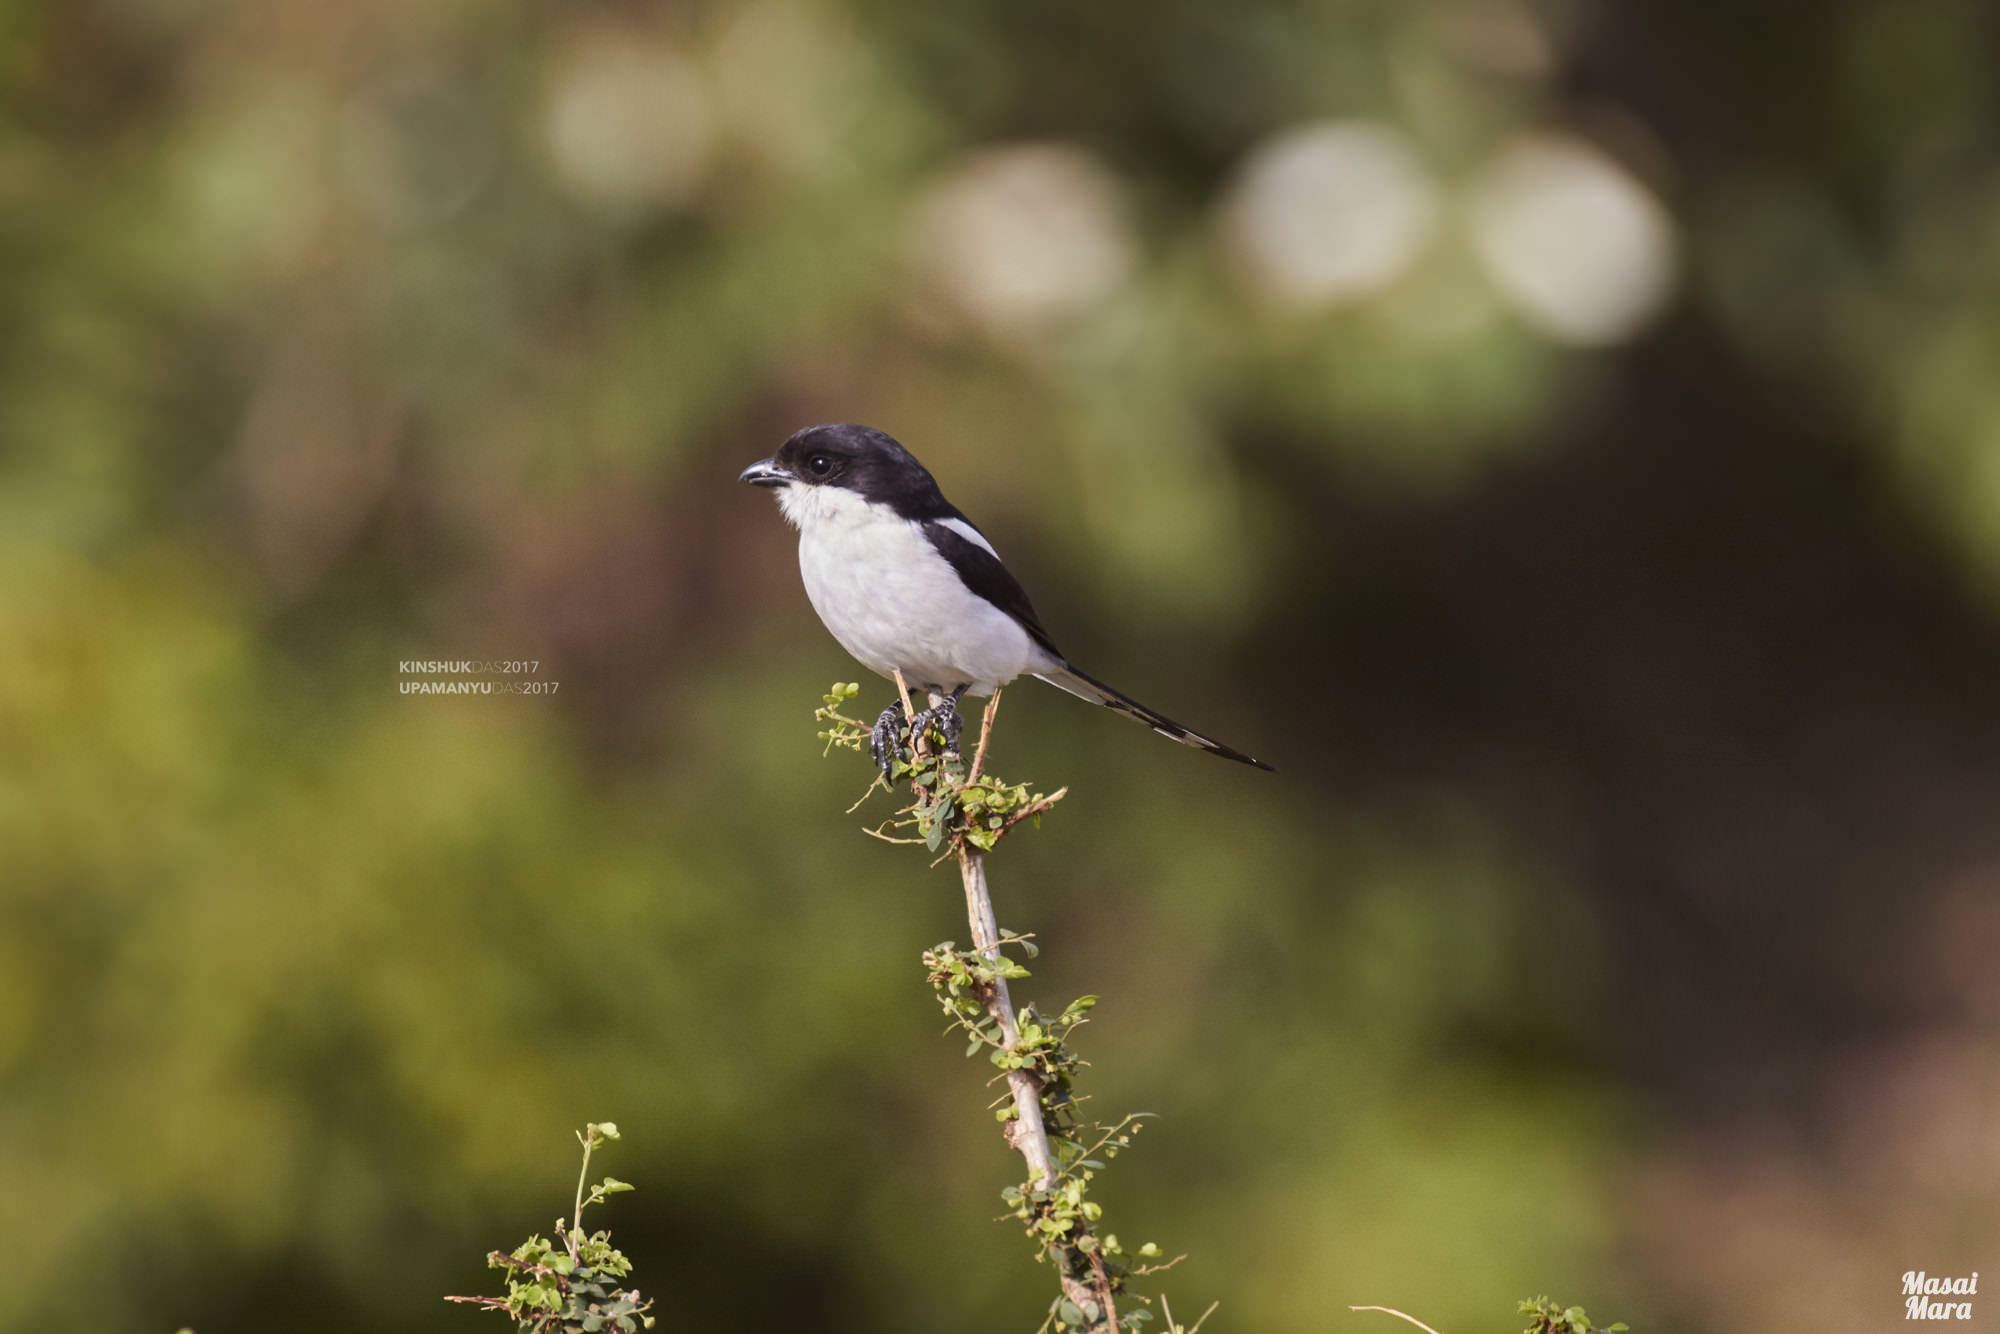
point(970, 534)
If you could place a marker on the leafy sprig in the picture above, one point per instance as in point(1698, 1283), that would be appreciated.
point(1546, 1316)
point(954, 803)
point(571, 1285)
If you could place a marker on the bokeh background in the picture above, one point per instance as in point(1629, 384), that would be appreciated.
point(1564, 437)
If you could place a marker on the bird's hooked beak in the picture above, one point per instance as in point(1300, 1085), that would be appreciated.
point(765, 472)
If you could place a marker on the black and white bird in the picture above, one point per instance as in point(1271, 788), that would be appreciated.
point(905, 582)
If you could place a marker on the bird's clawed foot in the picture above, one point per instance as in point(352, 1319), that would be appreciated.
point(943, 716)
point(885, 743)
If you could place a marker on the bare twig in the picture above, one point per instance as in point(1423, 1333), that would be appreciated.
point(1390, 1310)
point(583, 1175)
point(1103, 1290)
point(1167, 1307)
point(985, 732)
point(1140, 1271)
point(918, 748)
point(1033, 809)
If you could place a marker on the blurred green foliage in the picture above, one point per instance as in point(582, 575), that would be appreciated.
point(340, 335)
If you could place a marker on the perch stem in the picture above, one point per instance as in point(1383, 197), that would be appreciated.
point(1027, 1133)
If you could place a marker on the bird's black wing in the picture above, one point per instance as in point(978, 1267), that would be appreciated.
point(981, 571)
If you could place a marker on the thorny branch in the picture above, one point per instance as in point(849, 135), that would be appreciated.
point(961, 813)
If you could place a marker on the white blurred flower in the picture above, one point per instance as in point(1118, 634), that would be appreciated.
point(1025, 236)
point(629, 124)
point(1329, 213)
point(1578, 246)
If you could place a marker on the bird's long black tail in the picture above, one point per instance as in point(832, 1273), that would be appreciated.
point(1083, 687)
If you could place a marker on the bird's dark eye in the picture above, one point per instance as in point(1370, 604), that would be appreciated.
point(820, 465)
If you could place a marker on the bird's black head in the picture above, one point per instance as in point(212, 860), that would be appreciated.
point(859, 459)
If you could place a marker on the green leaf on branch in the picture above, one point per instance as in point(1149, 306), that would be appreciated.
point(1548, 1317)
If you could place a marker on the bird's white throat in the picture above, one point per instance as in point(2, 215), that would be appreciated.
point(808, 508)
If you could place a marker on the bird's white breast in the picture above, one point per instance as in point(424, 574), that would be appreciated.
point(893, 602)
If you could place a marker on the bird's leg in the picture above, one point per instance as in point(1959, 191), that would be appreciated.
point(885, 743)
point(942, 715)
